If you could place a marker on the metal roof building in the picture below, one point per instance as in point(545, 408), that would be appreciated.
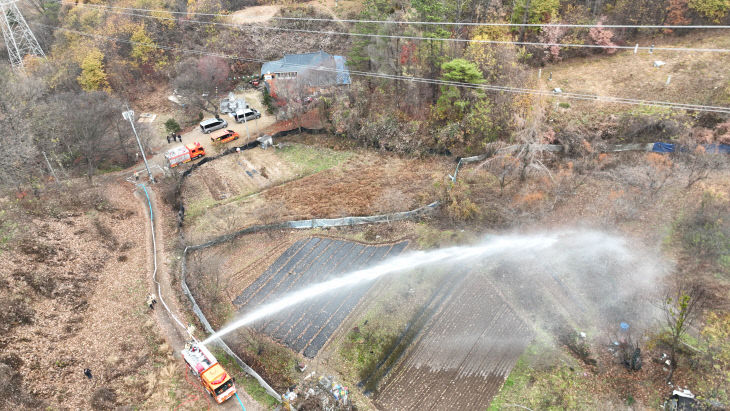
point(311, 69)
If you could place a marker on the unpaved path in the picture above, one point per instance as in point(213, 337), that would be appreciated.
point(256, 14)
point(174, 334)
point(262, 14)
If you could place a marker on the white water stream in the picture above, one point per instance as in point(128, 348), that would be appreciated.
point(494, 245)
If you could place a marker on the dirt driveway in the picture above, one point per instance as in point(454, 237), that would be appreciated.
point(256, 14)
point(253, 128)
point(261, 14)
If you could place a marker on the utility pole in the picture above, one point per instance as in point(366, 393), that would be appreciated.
point(129, 116)
point(19, 39)
point(525, 16)
point(248, 133)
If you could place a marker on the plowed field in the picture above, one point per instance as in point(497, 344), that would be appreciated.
point(307, 327)
point(463, 355)
point(235, 175)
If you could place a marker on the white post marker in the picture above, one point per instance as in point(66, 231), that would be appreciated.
point(636, 48)
point(669, 79)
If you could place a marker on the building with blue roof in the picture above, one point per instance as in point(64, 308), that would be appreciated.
point(309, 70)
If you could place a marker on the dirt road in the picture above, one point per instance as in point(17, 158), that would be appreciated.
point(248, 131)
point(174, 333)
point(262, 14)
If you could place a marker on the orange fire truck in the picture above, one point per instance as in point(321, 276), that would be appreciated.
point(204, 365)
point(183, 154)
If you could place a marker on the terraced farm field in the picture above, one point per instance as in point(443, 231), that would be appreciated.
point(307, 327)
point(463, 355)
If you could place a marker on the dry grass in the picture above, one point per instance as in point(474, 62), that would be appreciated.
point(632, 75)
point(344, 183)
point(697, 78)
point(367, 185)
point(67, 286)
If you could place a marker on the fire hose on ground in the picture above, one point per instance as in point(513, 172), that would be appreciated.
point(154, 272)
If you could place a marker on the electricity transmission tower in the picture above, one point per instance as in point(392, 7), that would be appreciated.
point(19, 39)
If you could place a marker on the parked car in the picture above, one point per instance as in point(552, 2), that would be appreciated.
point(224, 137)
point(247, 115)
point(212, 124)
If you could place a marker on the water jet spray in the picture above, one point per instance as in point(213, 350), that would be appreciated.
point(495, 245)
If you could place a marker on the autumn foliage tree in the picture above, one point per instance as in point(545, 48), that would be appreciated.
point(144, 50)
point(715, 10)
point(716, 342)
point(603, 37)
point(681, 309)
point(552, 35)
point(677, 13)
point(93, 77)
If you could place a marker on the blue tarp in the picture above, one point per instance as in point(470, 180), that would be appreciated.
point(717, 148)
point(663, 148)
point(671, 148)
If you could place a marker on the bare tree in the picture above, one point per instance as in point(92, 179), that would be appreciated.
point(680, 309)
point(392, 199)
point(698, 164)
point(200, 79)
point(20, 162)
point(273, 212)
point(505, 167)
point(659, 169)
point(648, 172)
point(209, 283)
point(86, 124)
point(296, 96)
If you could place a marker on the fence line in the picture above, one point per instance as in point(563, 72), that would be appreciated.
point(296, 224)
point(208, 328)
point(657, 147)
point(230, 150)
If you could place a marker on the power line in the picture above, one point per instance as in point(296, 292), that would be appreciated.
point(451, 23)
point(435, 23)
point(389, 36)
point(487, 87)
point(576, 96)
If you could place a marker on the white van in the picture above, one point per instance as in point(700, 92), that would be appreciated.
point(212, 124)
point(247, 115)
